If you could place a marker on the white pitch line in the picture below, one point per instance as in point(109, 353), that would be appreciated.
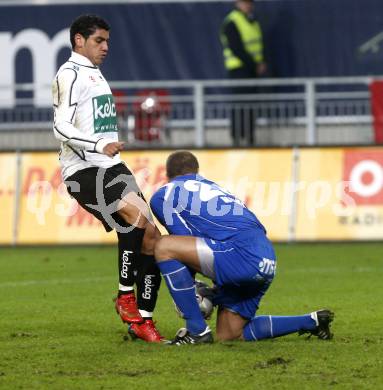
point(55, 281)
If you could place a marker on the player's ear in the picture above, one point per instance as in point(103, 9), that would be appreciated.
point(79, 40)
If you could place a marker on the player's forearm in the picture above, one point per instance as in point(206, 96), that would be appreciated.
point(67, 133)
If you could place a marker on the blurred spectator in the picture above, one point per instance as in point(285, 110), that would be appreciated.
point(241, 38)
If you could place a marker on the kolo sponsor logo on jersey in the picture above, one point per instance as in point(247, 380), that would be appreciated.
point(104, 114)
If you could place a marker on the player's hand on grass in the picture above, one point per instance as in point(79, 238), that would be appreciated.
point(113, 148)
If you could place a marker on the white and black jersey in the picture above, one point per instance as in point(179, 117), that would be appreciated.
point(85, 119)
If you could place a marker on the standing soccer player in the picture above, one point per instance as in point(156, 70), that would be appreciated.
point(85, 122)
point(214, 233)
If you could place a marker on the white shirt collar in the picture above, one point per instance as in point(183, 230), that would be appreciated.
point(81, 60)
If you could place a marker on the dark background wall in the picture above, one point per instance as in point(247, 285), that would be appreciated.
point(180, 41)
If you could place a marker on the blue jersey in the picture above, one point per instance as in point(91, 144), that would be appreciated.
point(193, 205)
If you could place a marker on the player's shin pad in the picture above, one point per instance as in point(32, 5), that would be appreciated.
point(148, 282)
point(129, 247)
point(265, 327)
point(181, 287)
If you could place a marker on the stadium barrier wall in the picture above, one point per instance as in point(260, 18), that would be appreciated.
point(304, 194)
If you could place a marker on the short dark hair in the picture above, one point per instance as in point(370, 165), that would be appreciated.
point(181, 162)
point(86, 25)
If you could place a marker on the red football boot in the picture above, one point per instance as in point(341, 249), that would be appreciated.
point(126, 307)
point(146, 331)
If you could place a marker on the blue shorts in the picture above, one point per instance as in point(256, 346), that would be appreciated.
point(242, 269)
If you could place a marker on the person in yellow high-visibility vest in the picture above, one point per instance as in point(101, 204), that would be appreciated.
point(241, 38)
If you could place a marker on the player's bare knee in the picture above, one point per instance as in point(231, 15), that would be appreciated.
point(221, 336)
point(132, 215)
point(161, 251)
point(226, 335)
point(152, 234)
point(134, 210)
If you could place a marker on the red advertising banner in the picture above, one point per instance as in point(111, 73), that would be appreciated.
point(343, 194)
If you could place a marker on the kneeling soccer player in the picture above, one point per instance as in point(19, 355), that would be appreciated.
point(214, 233)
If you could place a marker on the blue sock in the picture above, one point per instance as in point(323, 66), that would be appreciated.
point(265, 327)
point(181, 287)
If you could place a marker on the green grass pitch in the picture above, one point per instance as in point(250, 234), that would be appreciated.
point(59, 330)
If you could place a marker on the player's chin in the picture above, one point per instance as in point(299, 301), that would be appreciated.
point(100, 60)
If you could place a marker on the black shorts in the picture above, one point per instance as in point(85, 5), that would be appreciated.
point(99, 190)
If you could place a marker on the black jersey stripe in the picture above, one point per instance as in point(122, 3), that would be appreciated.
point(58, 91)
point(70, 93)
point(74, 138)
point(86, 66)
point(78, 153)
point(71, 88)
